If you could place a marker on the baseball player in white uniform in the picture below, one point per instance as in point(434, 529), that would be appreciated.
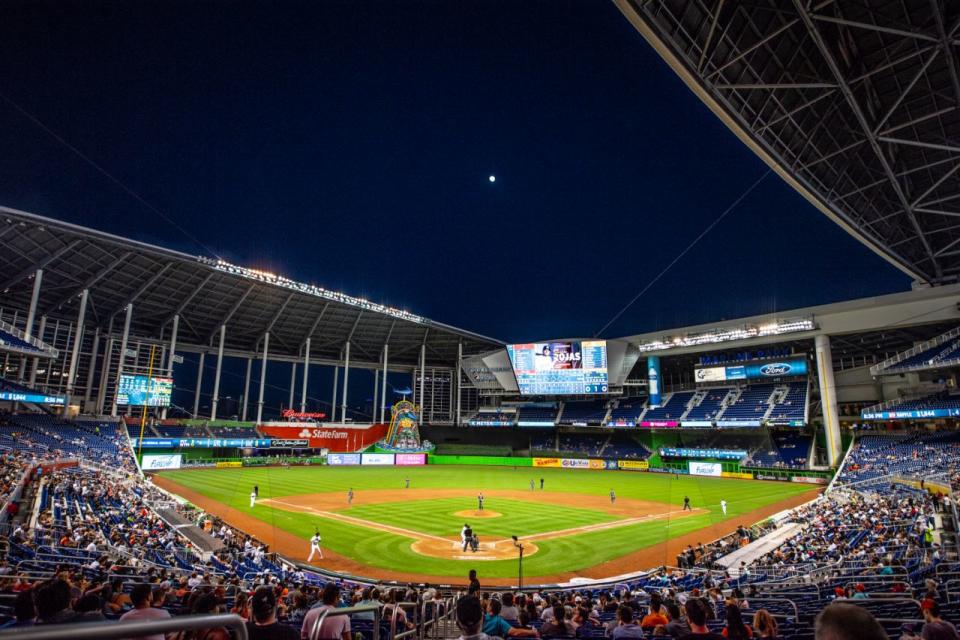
point(723, 506)
point(315, 546)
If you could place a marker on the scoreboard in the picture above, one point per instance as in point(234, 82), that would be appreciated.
point(137, 391)
point(560, 368)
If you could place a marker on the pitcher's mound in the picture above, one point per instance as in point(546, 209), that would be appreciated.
point(471, 513)
point(453, 550)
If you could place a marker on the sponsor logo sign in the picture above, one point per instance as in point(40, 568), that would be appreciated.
point(229, 464)
point(155, 462)
point(575, 463)
point(547, 462)
point(705, 469)
point(283, 443)
point(734, 474)
point(767, 476)
point(290, 414)
point(621, 422)
point(410, 459)
point(380, 459)
point(336, 459)
point(633, 465)
point(808, 480)
point(696, 423)
point(659, 424)
point(597, 464)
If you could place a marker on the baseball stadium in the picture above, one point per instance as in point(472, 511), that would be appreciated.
point(239, 449)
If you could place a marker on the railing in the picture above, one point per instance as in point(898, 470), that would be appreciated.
point(47, 350)
point(107, 630)
point(923, 346)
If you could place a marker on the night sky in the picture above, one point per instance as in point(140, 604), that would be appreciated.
point(349, 145)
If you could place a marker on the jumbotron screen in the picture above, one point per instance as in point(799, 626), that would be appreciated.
point(134, 391)
point(560, 368)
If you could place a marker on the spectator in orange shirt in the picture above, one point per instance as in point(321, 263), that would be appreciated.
point(655, 617)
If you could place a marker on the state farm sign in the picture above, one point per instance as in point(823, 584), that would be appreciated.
point(331, 438)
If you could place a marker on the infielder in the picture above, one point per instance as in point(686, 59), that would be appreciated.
point(253, 498)
point(480, 502)
point(350, 496)
point(315, 546)
point(407, 480)
point(531, 484)
point(613, 497)
point(723, 506)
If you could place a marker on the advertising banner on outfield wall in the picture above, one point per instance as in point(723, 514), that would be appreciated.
point(574, 463)
point(379, 459)
point(229, 464)
point(335, 438)
point(735, 474)
point(598, 465)
point(705, 469)
point(808, 480)
point(547, 462)
point(153, 463)
point(633, 465)
point(336, 459)
point(767, 476)
point(410, 459)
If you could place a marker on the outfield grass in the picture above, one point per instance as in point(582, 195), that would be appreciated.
point(558, 555)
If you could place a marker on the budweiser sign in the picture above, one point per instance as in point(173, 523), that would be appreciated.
point(290, 414)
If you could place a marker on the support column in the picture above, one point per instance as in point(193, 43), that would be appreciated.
point(196, 393)
point(77, 339)
point(346, 376)
point(423, 380)
point(123, 354)
point(459, 378)
point(246, 391)
point(828, 398)
point(293, 383)
point(333, 400)
point(91, 371)
point(28, 330)
point(306, 375)
point(172, 354)
point(383, 394)
point(104, 377)
point(376, 392)
point(263, 376)
point(216, 379)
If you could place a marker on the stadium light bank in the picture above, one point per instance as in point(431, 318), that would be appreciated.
point(311, 290)
point(729, 334)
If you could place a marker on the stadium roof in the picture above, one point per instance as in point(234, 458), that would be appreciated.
point(855, 104)
point(207, 293)
point(863, 327)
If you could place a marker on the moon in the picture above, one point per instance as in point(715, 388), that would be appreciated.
point(492, 178)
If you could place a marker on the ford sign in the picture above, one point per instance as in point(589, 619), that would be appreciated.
point(776, 369)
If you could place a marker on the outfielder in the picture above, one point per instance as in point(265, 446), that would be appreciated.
point(723, 506)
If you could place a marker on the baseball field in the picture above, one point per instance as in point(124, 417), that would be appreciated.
point(570, 528)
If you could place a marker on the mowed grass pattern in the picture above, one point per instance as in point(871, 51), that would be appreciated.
point(558, 555)
point(437, 517)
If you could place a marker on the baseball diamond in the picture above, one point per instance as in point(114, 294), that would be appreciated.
point(571, 530)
